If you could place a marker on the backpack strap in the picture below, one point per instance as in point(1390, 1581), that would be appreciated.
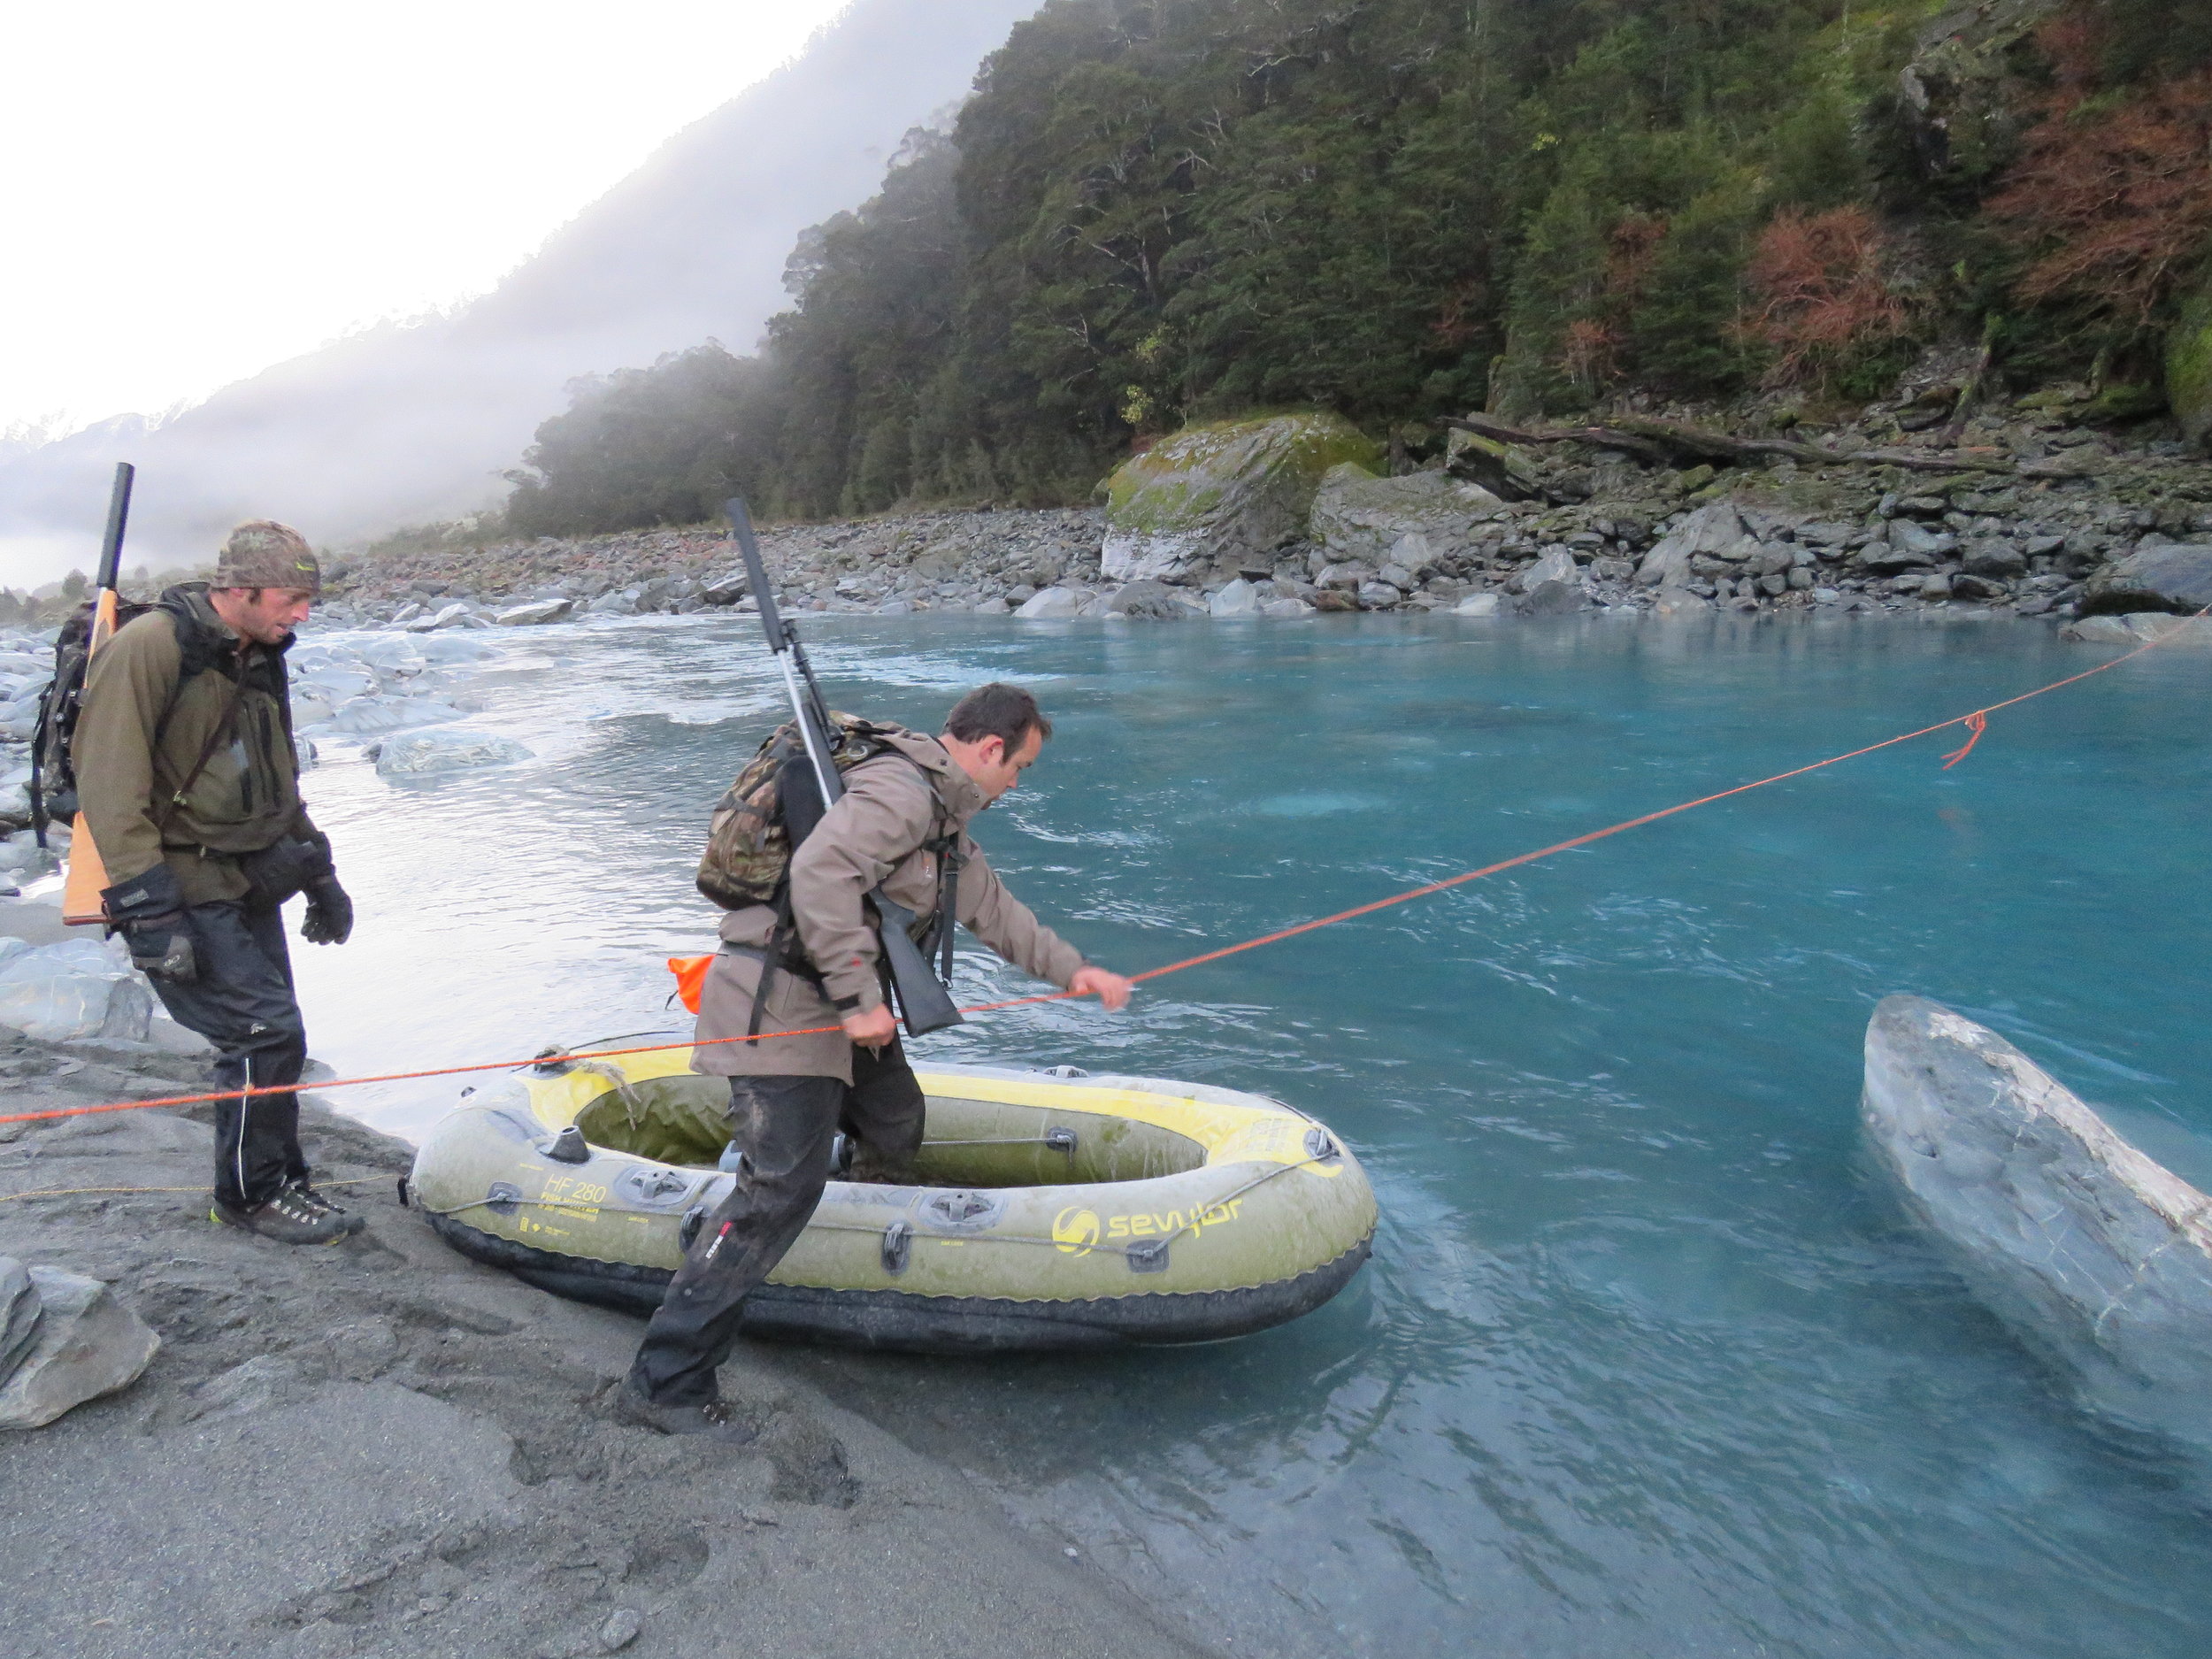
point(166, 809)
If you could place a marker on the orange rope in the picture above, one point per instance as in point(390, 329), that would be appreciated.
point(1976, 721)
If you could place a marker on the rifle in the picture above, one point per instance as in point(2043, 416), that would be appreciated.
point(923, 1003)
point(87, 877)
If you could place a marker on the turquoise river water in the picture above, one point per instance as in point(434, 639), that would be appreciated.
point(1648, 1360)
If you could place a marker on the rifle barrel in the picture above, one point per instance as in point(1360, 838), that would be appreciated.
point(119, 514)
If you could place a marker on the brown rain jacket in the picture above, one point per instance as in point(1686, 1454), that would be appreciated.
point(145, 724)
point(873, 835)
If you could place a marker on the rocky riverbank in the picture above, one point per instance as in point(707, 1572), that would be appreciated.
point(383, 1448)
point(2029, 512)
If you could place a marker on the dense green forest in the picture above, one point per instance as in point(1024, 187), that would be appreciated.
point(1157, 211)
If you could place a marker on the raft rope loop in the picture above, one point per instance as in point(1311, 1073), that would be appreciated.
point(1976, 721)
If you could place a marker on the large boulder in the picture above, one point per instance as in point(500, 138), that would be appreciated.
point(1223, 496)
point(1497, 467)
point(2143, 627)
point(2158, 576)
point(1143, 601)
point(1358, 515)
point(2189, 371)
point(79, 989)
point(19, 1312)
point(87, 1344)
point(2095, 1252)
point(1239, 598)
point(1053, 601)
point(1716, 530)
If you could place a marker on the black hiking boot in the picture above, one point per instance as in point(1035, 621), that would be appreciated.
point(717, 1418)
point(296, 1215)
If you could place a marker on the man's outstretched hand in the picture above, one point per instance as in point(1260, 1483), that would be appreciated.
point(1110, 988)
point(872, 1028)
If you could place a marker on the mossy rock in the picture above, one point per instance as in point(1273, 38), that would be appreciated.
point(2189, 371)
point(1359, 517)
point(1227, 494)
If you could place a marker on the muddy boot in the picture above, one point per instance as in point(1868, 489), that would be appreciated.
point(717, 1418)
point(296, 1215)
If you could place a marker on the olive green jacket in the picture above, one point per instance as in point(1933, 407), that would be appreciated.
point(141, 732)
point(873, 835)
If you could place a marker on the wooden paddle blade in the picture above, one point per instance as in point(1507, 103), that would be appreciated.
point(86, 880)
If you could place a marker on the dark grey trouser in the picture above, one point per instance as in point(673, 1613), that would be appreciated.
point(242, 1003)
point(784, 1126)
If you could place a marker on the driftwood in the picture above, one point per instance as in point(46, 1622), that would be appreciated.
point(1670, 443)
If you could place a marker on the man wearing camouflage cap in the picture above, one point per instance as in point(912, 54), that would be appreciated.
point(188, 784)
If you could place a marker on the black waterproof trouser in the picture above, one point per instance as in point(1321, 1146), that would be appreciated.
point(242, 1003)
point(784, 1126)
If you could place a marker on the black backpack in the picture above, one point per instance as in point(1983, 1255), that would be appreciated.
point(53, 779)
point(53, 787)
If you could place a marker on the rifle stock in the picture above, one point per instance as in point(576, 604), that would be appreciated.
point(923, 1003)
point(87, 877)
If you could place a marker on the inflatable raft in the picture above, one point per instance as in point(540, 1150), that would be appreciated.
point(1060, 1210)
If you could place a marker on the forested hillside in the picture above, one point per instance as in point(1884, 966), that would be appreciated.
point(1154, 211)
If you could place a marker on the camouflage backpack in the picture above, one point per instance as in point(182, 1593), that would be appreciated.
point(748, 844)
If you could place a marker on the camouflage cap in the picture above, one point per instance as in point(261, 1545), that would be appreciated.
point(266, 554)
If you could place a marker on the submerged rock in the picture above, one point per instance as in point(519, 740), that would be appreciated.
point(2142, 627)
point(535, 613)
point(1221, 494)
point(412, 754)
point(2090, 1250)
point(87, 1344)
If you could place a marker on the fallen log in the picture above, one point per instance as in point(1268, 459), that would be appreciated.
point(1670, 443)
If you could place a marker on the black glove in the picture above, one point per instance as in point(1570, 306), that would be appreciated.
point(329, 918)
point(148, 911)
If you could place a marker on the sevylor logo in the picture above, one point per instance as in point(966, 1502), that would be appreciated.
point(1075, 1230)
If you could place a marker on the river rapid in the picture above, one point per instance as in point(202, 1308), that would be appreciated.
point(1648, 1360)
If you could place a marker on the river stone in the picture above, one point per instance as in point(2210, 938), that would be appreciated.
point(2090, 1250)
point(413, 754)
point(1142, 601)
point(1359, 517)
point(19, 1310)
point(726, 589)
point(1283, 608)
point(1992, 555)
point(994, 606)
point(2189, 370)
point(1239, 598)
point(1716, 530)
point(1221, 494)
point(89, 1344)
point(2164, 576)
point(1477, 605)
point(537, 611)
point(1557, 565)
point(365, 716)
point(1053, 601)
point(2142, 627)
point(1553, 599)
point(71, 991)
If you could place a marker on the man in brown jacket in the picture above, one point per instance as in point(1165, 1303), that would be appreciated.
point(789, 1095)
point(189, 787)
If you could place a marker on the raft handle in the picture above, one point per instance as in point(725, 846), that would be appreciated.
point(688, 1229)
point(1148, 1255)
point(570, 1147)
point(1066, 1070)
point(1061, 1140)
point(1319, 1147)
point(898, 1240)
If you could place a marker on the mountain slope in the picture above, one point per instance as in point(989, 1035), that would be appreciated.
point(402, 423)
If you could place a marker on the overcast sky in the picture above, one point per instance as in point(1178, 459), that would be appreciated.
point(189, 193)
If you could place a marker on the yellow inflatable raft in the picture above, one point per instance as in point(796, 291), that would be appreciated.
point(1061, 1210)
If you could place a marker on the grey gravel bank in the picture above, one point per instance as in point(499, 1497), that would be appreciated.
point(382, 1449)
